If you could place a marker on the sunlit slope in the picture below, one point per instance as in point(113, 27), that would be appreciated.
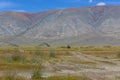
point(98, 25)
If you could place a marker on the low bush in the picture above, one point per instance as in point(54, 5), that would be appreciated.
point(52, 54)
point(17, 58)
point(118, 54)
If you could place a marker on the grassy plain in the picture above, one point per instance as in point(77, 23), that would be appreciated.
point(35, 62)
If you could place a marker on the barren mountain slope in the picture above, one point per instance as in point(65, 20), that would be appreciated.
point(88, 25)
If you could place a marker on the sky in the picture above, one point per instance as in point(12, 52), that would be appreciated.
point(42, 5)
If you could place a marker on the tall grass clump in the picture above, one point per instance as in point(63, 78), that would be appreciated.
point(11, 76)
point(34, 61)
point(37, 72)
point(69, 77)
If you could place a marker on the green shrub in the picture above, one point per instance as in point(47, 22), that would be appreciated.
point(13, 58)
point(52, 54)
point(38, 53)
point(17, 58)
point(118, 54)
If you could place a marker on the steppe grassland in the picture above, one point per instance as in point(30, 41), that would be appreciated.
point(32, 59)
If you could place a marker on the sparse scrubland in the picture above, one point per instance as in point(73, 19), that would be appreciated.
point(60, 63)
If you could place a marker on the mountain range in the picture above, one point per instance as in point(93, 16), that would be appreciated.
point(98, 25)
